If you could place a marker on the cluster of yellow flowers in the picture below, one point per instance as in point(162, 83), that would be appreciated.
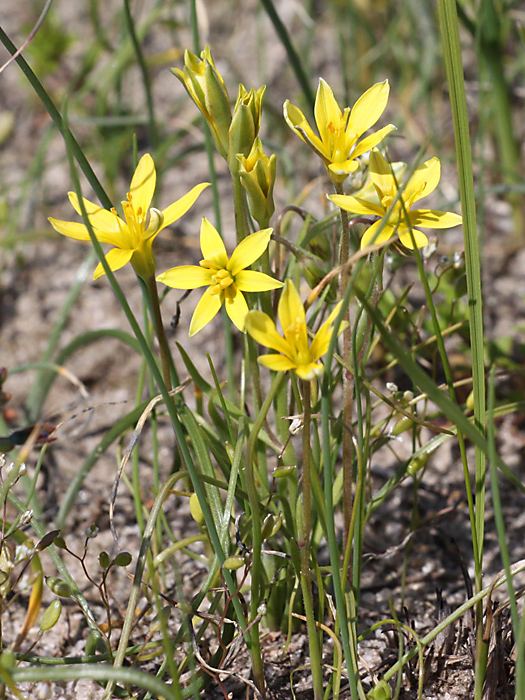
point(338, 143)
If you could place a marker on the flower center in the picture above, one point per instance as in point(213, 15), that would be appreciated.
point(220, 280)
point(338, 145)
point(397, 211)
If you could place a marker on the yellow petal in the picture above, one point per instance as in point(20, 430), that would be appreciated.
point(356, 205)
point(323, 336)
point(377, 233)
point(432, 218)
point(262, 329)
point(252, 281)
point(291, 307)
point(326, 110)
point(143, 184)
point(381, 175)
point(186, 277)
point(424, 180)
point(181, 206)
point(212, 245)
point(236, 306)
point(345, 168)
point(277, 363)
point(297, 122)
point(419, 238)
point(103, 220)
point(249, 250)
point(116, 258)
point(206, 309)
point(71, 229)
point(369, 107)
point(369, 142)
point(309, 372)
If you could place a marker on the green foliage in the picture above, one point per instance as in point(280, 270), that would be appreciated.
point(275, 467)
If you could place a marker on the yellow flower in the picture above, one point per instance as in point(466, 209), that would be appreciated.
point(295, 350)
point(338, 142)
point(399, 218)
point(132, 236)
point(226, 278)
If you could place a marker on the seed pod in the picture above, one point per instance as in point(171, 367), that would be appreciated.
point(51, 616)
point(402, 425)
point(233, 563)
point(58, 587)
point(104, 560)
point(285, 470)
point(196, 510)
point(122, 559)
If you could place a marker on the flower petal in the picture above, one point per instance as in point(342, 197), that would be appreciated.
point(181, 206)
point(432, 218)
point(297, 122)
point(212, 245)
point(71, 229)
point(309, 371)
point(116, 258)
point(369, 142)
point(419, 238)
point(143, 185)
point(252, 281)
point(186, 277)
point(236, 306)
point(105, 221)
point(262, 329)
point(345, 168)
point(379, 232)
point(249, 250)
point(278, 363)
point(326, 110)
point(321, 341)
point(381, 175)
point(424, 180)
point(356, 205)
point(206, 309)
point(369, 107)
point(291, 308)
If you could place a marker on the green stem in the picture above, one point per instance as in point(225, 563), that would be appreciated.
point(305, 528)
point(448, 20)
point(242, 226)
point(348, 381)
point(166, 359)
point(253, 498)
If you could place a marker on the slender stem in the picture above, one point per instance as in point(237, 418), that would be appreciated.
point(305, 528)
point(257, 569)
point(241, 217)
point(154, 306)
point(348, 380)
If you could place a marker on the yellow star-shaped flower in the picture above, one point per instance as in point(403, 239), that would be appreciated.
point(296, 352)
point(132, 236)
point(399, 218)
point(338, 142)
point(226, 278)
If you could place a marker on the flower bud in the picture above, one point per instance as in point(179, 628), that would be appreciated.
point(257, 173)
point(245, 123)
point(205, 86)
